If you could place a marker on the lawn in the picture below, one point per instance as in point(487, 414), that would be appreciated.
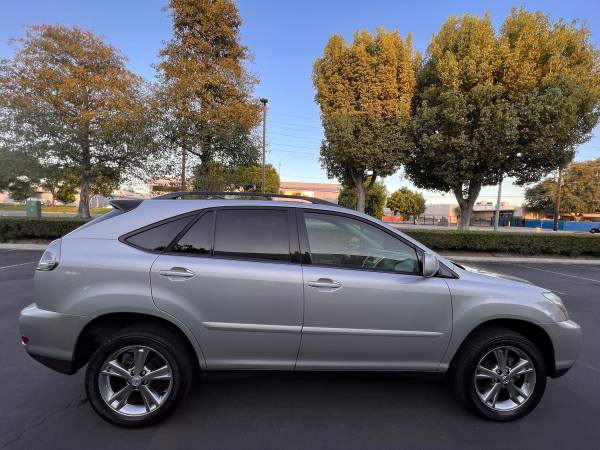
point(53, 209)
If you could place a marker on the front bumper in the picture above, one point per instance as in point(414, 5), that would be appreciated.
point(567, 341)
point(52, 336)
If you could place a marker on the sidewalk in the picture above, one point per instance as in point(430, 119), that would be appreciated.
point(470, 257)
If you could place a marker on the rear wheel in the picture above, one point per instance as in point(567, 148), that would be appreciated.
point(138, 377)
point(499, 374)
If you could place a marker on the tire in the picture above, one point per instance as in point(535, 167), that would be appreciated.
point(481, 352)
point(147, 401)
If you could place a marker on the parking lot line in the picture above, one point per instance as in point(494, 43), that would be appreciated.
point(17, 265)
point(560, 273)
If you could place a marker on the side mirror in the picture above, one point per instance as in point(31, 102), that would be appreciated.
point(431, 265)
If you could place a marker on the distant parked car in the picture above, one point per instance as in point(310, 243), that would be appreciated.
point(595, 230)
point(155, 290)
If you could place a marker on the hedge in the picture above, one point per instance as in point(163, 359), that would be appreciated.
point(15, 228)
point(508, 242)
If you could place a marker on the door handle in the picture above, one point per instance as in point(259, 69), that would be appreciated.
point(177, 272)
point(325, 283)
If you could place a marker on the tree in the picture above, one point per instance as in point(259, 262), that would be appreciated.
point(374, 201)
point(406, 203)
point(490, 105)
point(243, 178)
point(14, 164)
point(364, 91)
point(21, 189)
point(203, 98)
point(580, 191)
point(68, 99)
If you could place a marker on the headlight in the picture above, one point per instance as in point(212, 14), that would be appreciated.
point(51, 256)
point(557, 301)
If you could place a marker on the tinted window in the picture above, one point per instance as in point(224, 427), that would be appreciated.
point(252, 233)
point(157, 238)
point(197, 239)
point(345, 242)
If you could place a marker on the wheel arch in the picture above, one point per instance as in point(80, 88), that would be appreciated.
point(535, 333)
point(106, 325)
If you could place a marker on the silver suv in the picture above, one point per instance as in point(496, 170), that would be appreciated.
point(155, 291)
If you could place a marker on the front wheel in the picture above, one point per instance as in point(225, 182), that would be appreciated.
point(138, 377)
point(499, 374)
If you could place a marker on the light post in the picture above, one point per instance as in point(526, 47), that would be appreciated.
point(264, 102)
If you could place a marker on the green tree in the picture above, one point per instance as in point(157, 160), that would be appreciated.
point(66, 97)
point(243, 178)
point(374, 201)
point(364, 91)
point(580, 191)
point(490, 105)
point(406, 203)
point(203, 97)
point(15, 164)
point(21, 189)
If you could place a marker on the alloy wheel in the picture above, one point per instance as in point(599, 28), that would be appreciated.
point(135, 380)
point(505, 378)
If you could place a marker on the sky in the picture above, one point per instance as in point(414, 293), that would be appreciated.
point(285, 38)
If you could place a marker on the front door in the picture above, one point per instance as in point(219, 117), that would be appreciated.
point(366, 304)
point(231, 280)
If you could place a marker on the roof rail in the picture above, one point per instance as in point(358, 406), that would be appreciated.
point(224, 195)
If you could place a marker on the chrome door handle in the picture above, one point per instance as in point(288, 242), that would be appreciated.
point(325, 283)
point(177, 272)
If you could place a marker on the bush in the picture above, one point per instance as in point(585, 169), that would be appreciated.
point(14, 228)
point(508, 242)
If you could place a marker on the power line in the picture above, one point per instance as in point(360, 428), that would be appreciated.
point(296, 136)
point(290, 124)
point(292, 145)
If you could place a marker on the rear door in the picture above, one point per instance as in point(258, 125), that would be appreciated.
point(367, 306)
point(234, 278)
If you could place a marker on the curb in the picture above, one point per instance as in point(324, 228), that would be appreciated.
point(10, 246)
point(522, 259)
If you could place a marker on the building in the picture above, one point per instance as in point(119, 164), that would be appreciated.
point(325, 191)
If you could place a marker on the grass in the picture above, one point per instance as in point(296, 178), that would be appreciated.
point(53, 209)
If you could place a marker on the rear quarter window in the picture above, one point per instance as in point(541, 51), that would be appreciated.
point(160, 236)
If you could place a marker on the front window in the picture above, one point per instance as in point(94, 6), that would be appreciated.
point(350, 243)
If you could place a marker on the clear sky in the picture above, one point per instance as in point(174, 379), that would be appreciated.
point(285, 38)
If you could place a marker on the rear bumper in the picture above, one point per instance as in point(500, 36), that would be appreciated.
point(51, 336)
point(566, 339)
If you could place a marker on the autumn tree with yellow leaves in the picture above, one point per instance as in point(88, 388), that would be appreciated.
point(67, 99)
point(364, 91)
point(203, 99)
point(492, 104)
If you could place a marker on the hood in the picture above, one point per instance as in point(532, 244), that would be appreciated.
point(491, 274)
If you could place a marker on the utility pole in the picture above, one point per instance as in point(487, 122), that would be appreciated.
point(264, 102)
point(557, 202)
point(497, 214)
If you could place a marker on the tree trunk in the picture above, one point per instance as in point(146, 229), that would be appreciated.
point(183, 168)
point(361, 193)
point(83, 211)
point(556, 216)
point(466, 204)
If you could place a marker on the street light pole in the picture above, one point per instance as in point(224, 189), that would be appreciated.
point(264, 102)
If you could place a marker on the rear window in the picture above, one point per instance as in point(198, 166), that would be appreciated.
point(159, 237)
point(252, 233)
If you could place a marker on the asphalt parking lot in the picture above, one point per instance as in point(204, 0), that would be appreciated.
point(44, 409)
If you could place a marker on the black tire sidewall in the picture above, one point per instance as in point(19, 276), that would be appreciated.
point(169, 350)
point(466, 383)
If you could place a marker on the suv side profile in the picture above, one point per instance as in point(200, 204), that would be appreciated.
point(157, 290)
